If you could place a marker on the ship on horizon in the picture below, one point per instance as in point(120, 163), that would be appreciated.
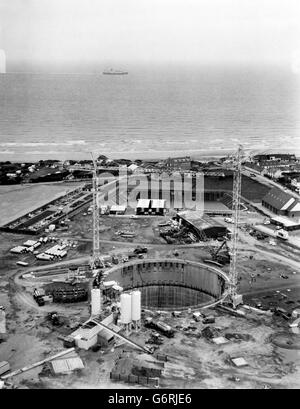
point(114, 72)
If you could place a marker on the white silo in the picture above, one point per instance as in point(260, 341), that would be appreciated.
point(125, 300)
point(136, 305)
point(95, 301)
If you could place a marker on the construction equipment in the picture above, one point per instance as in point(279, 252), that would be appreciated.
point(38, 296)
point(160, 326)
point(221, 254)
point(54, 318)
point(96, 260)
point(234, 298)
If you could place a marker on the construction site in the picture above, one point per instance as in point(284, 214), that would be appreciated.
point(151, 297)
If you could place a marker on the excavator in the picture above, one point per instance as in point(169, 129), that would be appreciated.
point(221, 255)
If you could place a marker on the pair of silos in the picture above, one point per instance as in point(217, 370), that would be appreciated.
point(130, 307)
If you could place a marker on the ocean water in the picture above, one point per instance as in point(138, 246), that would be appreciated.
point(204, 111)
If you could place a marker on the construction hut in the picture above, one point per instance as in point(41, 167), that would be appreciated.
point(143, 206)
point(117, 209)
point(65, 365)
point(157, 207)
point(201, 224)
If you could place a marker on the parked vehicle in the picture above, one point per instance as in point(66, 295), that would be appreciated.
point(282, 234)
point(38, 296)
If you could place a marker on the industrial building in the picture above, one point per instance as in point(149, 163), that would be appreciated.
point(183, 163)
point(282, 203)
point(151, 206)
point(285, 223)
point(201, 224)
point(90, 334)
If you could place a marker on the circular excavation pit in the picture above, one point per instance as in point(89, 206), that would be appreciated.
point(171, 284)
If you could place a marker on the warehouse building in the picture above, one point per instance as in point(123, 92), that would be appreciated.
point(282, 203)
point(201, 224)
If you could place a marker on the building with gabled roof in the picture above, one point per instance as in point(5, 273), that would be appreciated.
point(282, 203)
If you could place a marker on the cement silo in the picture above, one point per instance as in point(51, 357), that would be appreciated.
point(136, 309)
point(95, 301)
point(125, 300)
point(136, 305)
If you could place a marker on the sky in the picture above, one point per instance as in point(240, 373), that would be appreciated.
point(71, 32)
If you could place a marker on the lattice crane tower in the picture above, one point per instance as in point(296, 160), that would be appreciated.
point(237, 182)
point(96, 260)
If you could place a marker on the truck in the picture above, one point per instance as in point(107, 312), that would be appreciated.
point(38, 296)
point(282, 234)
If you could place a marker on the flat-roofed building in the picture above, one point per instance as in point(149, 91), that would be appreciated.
point(118, 209)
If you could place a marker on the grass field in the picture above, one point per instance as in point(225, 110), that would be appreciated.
point(17, 200)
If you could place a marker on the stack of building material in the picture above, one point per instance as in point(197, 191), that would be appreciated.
point(68, 364)
point(239, 362)
point(18, 250)
point(30, 243)
point(219, 340)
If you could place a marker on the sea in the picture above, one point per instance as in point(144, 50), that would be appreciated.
point(153, 112)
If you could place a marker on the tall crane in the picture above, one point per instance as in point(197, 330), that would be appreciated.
point(96, 259)
point(236, 204)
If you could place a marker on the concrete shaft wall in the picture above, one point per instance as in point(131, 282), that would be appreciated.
point(171, 283)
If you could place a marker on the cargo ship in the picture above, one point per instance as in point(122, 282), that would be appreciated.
point(114, 72)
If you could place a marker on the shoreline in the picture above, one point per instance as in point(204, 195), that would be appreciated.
point(205, 155)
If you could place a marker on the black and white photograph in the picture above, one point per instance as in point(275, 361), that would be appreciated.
point(149, 197)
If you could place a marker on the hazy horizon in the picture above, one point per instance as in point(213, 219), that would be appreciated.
point(71, 35)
